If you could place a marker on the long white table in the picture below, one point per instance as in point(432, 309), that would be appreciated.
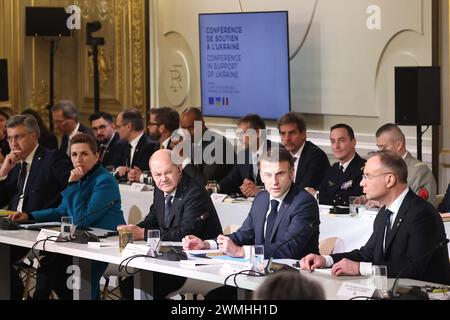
point(353, 231)
point(83, 255)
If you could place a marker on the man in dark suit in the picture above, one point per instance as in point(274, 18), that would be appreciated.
point(406, 231)
point(244, 177)
point(212, 156)
point(31, 177)
point(310, 162)
point(138, 147)
point(342, 180)
point(65, 118)
point(163, 121)
point(281, 213)
point(108, 141)
point(180, 207)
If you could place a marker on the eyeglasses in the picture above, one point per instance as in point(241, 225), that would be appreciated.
point(18, 137)
point(371, 177)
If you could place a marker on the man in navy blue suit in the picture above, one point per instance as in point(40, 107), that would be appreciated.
point(282, 219)
point(282, 212)
point(31, 177)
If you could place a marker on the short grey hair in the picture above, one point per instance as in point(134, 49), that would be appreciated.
point(26, 120)
point(68, 107)
point(393, 162)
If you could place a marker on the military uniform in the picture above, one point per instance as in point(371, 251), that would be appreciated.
point(338, 186)
point(420, 179)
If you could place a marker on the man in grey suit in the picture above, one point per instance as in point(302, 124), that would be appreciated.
point(420, 177)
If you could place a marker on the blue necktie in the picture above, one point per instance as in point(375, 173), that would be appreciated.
point(167, 207)
point(271, 218)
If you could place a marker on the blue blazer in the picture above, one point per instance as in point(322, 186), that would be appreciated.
point(48, 176)
point(298, 210)
point(87, 202)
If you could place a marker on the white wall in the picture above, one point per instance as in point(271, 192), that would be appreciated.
point(340, 70)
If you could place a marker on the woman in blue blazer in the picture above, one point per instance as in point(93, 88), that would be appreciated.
point(92, 198)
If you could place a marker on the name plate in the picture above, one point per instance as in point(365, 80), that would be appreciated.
point(352, 290)
point(139, 187)
point(133, 249)
point(46, 233)
point(230, 267)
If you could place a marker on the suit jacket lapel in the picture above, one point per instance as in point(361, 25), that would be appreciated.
point(177, 200)
point(259, 225)
point(281, 212)
point(398, 221)
point(35, 166)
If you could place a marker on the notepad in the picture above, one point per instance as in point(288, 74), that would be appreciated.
point(103, 244)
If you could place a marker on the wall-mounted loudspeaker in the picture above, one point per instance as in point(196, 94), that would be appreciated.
point(46, 22)
point(4, 80)
point(417, 96)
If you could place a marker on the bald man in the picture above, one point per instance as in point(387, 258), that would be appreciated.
point(420, 177)
point(180, 207)
point(212, 156)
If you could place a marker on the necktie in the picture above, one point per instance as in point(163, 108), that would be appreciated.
point(341, 167)
point(101, 153)
point(271, 218)
point(21, 183)
point(167, 207)
point(387, 224)
point(128, 155)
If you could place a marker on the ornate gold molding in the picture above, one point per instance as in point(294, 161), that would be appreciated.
point(138, 53)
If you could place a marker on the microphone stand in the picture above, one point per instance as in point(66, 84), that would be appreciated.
point(414, 293)
point(78, 235)
point(268, 269)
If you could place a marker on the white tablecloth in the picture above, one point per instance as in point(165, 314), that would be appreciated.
point(354, 231)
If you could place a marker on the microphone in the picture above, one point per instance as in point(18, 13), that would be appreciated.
point(168, 254)
point(414, 293)
point(80, 234)
point(280, 266)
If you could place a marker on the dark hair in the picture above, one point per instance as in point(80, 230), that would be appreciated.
point(106, 116)
point(349, 129)
point(134, 117)
point(295, 118)
point(278, 154)
point(198, 116)
point(26, 120)
point(68, 108)
point(167, 116)
point(253, 120)
point(393, 162)
point(287, 285)
point(84, 138)
point(393, 129)
point(5, 114)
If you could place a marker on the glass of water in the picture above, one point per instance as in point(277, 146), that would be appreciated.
point(354, 204)
point(66, 226)
point(379, 278)
point(257, 258)
point(153, 240)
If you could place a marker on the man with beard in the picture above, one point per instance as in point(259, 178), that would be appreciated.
point(104, 130)
point(163, 121)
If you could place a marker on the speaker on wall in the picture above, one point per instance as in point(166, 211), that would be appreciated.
point(417, 96)
point(4, 80)
point(46, 22)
